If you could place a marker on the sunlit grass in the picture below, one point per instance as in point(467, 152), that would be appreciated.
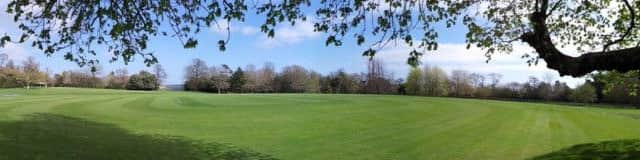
point(310, 126)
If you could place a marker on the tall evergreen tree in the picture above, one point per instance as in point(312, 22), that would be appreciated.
point(238, 80)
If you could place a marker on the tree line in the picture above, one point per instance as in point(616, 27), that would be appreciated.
point(290, 79)
point(25, 75)
point(617, 87)
point(600, 87)
point(118, 79)
point(434, 81)
point(29, 73)
point(426, 81)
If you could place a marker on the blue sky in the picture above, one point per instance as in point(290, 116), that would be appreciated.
point(296, 45)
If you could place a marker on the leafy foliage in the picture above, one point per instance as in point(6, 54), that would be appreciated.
point(585, 93)
point(612, 79)
point(125, 27)
point(143, 81)
point(414, 82)
point(617, 87)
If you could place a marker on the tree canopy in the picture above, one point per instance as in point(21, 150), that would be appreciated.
point(604, 32)
point(143, 81)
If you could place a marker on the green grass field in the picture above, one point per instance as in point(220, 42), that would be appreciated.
point(64, 123)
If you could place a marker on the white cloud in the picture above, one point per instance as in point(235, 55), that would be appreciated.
point(221, 28)
point(284, 34)
point(248, 30)
point(16, 52)
point(454, 56)
point(288, 35)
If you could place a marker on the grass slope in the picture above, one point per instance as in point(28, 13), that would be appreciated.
point(307, 126)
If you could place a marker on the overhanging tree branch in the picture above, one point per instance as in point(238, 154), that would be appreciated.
point(125, 26)
point(632, 25)
point(622, 60)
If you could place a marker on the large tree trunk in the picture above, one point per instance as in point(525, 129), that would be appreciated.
point(622, 60)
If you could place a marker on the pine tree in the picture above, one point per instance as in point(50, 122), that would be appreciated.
point(238, 80)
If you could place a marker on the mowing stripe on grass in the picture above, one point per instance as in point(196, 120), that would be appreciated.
point(318, 127)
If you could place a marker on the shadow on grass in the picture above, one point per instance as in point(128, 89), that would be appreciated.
point(48, 136)
point(607, 150)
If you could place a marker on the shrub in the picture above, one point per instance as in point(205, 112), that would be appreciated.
point(143, 81)
point(584, 94)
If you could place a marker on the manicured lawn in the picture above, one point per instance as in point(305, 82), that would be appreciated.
point(64, 123)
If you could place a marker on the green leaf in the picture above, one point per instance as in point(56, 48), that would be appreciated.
point(360, 39)
point(117, 30)
point(370, 53)
point(271, 33)
point(4, 40)
point(191, 43)
point(222, 45)
point(330, 40)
